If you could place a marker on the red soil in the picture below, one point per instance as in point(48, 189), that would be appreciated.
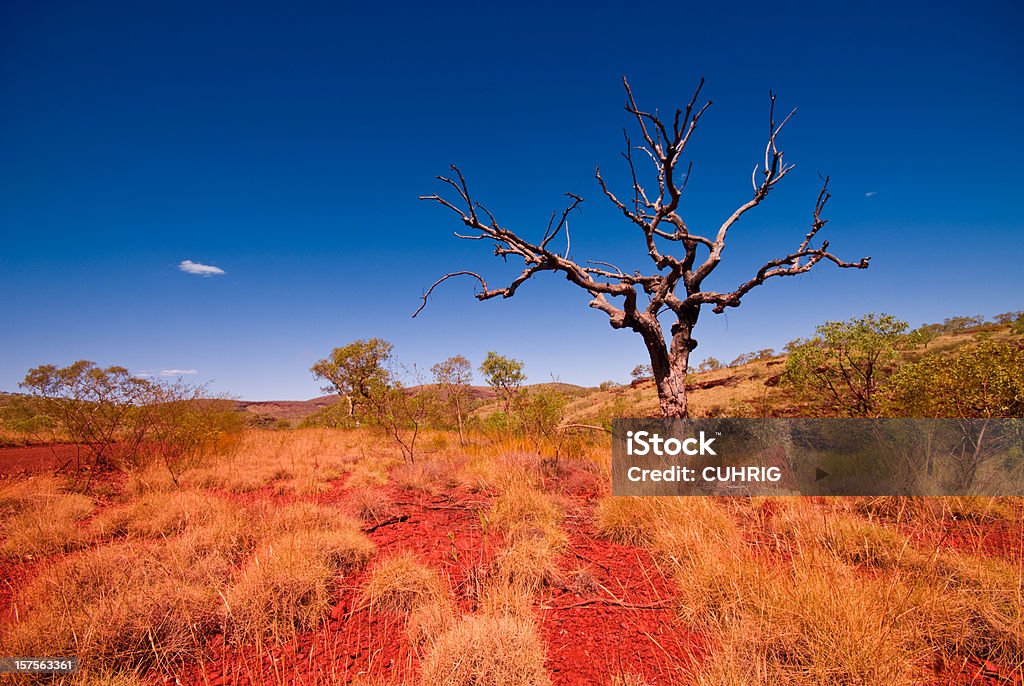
point(36, 458)
point(618, 619)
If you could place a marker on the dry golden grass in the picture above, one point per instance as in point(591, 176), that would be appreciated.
point(801, 524)
point(432, 476)
point(486, 651)
point(368, 473)
point(120, 606)
point(44, 524)
point(664, 523)
point(629, 679)
point(428, 621)
point(813, 620)
point(978, 608)
point(930, 511)
point(401, 583)
point(497, 599)
point(530, 521)
point(159, 514)
point(123, 678)
point(981, 509)
point(16, 494)
point(812, 616)
point(302, 462)
point(368, 504)
point(286, 586)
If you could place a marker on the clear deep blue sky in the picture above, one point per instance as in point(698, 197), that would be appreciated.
point(286, 144)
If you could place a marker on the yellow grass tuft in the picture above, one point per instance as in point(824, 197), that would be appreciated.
point(491, 651)
point(46, 523)
point(159, 514)
point(423, 475)
point(286, 586)
point(401, 583)
point(530, 521)
point(120, 606)
point(368, 504)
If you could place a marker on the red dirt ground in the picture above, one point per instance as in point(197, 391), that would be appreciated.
point(612, 615)
point(35, 458)
point(589, 637)
point(618, 621)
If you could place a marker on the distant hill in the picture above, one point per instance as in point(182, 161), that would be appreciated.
point(291, 410)
point(265, 411)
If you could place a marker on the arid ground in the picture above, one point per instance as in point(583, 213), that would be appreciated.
point(319, 556)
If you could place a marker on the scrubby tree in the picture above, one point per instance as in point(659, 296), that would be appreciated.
point(540, 413)
point(742, 359)
point(709, 364)
point(120, 420)
point(453, 376)
point(682, 259)
point(846, 362)
point(961, 323)
point(355, 371)
point(985, 380)
point(364, 372)
point(94, 407)
point(503, 374)
point(973, 386)
point(924, 335)
point(402, 412)
point(641, 372)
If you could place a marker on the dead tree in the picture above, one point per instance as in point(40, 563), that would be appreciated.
point(633, 300)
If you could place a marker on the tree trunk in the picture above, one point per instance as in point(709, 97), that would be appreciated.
point(458, 417)
point(670, 365)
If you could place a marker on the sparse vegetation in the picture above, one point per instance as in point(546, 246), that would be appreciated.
point(844, 366)
point(465, 555)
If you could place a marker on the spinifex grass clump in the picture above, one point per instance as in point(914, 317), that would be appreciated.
point(529, 521)
point(121, 606)
point(496, 651)
point(285, 585)
point(43, 523)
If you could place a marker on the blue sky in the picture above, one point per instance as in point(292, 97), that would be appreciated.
point(286, 144)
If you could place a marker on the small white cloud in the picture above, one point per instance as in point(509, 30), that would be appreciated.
point(190, 267)
point(870, 194)
point(178, 372)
